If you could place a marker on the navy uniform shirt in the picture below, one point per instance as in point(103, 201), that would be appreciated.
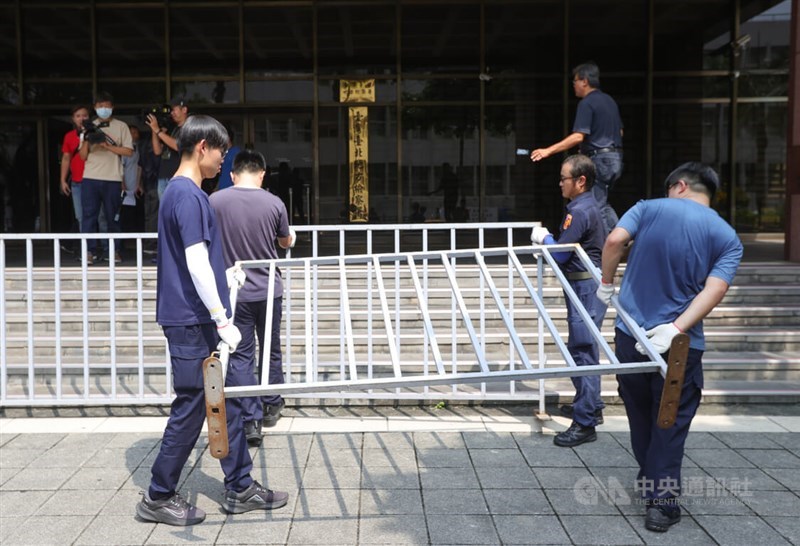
point(584, 225)
point(598, 118)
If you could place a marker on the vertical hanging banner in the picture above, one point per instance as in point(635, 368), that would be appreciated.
point(358, 91)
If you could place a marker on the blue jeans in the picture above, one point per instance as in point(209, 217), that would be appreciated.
point(162, 187)
point(584, 351)
point(188, 347)
point(658, 451)
point(97, 195)
point(250, 319)
point(609, 168)
point(76, 203)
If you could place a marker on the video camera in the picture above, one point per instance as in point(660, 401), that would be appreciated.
point(162, 114)
point(93, 134)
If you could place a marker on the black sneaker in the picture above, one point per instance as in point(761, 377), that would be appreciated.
point(173, 511)
point(568, 411)
point(659, 520)
point(255, 497)
point(575, 435)
point(272, 412)
point(252, 431)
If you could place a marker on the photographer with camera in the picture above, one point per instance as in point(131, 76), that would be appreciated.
point(165, 139)
point(71, 163)
point(105, 141)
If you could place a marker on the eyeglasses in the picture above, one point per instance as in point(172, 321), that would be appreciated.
point(223, 152)
point(562, 178)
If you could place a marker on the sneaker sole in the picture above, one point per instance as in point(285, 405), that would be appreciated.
point(241, 508)
point(148, 515)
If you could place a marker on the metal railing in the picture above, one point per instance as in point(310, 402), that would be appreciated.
point(75, 334)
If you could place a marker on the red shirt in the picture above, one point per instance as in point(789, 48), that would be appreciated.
point(70, 146)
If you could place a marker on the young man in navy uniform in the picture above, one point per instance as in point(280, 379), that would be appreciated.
point(192, 307)
point(583, 225)
point(683, 260)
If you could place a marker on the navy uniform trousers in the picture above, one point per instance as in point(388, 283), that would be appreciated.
point(188, 347)
point(658, 451)
point(585, 351)
point(251, 318)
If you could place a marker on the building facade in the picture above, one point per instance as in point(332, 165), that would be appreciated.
point(473, 84)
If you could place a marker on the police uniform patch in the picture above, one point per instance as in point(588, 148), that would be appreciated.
point(567, 222)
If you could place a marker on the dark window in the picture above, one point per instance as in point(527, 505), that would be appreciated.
point(130, 42)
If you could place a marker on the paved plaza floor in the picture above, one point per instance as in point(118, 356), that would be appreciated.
point(468, 475)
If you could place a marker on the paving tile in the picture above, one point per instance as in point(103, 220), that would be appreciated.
point(299, 443)
point(386, 477)
point(9, 525)
point(329, 457)
point(531, 530)
point(39, 442)
point(442, 458)
point(275, 457)
point(507, 478)
point(74, 503)
point(133, 440)
point(771, 458)
point(605, 456)
point(85, 441)
point(388, 440)
point(392, 529)
point(746, 440)
point(324, 531)
point(489, 440)
point(399, 458)
point(6, 437)
point(98, 478)
point(61, 458)
point(789, 440)
point(117, 458)
point(203, 534)
point(788, 477)
point(752, 479)
point(686, 531)
point(600, 530)
point(454, 478)
point(327, 502)
point(17, 458)
point(257, 527)
point(580, 502)
point(332, 478)
point(725, 504)
point(704, 440)
point(117, 530)
point(560, 478)
point(771, 503)
point(788, 422)
point(719, 458)
point(50, 530)
point(38, 479)
point(789, 527)
point(22, 503)
point(122, 502)
point(391, 501)
point(495, 457)
point(434, 440)
point(454, 501)
point(737, 530)
point(460, 529)
point(323, 441)
point(517, 501)
point(550, 455)
point(283, 478)
point(6, 473)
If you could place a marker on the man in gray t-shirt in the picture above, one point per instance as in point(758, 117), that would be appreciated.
point(251, 220)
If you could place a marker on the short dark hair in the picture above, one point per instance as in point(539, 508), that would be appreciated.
point(103, 96)
point(249, 161)
point(201, 127)
point(698, 176)
point(588, 71)
point(77, 107)
point(581, 165)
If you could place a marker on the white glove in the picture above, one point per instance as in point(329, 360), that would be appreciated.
point(235, 274)
point(538, 234)
point(230, 334)
point(292, 237)
point(661, 337)
point(604, 292)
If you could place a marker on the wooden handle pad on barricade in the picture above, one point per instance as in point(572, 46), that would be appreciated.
point(673, 382)
point(213, 382)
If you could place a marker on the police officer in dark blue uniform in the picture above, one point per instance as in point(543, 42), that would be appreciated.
point(584, 225)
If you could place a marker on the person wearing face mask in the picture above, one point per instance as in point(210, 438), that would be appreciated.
point(103, 174)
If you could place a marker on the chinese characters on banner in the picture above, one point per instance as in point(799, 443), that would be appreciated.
point(358, 135)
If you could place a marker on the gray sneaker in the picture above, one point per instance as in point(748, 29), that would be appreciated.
point(255, 497)
point(173, 511)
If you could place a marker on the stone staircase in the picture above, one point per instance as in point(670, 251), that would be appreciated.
point(753, 337)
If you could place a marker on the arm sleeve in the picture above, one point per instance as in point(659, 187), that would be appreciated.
point(631, 219)
point(727, 264)
point(583, 119)
point(204, 281)
point(560, 257)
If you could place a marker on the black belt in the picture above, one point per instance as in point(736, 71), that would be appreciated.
point(579, 276)
point(593, 153)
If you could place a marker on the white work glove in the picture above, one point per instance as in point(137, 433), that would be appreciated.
point(604, 292)
point(292, 237)
point(228, 332)
point(661, 337)
point(538, 234)
point(236, 275)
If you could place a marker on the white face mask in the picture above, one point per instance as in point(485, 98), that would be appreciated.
point(104, 113)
